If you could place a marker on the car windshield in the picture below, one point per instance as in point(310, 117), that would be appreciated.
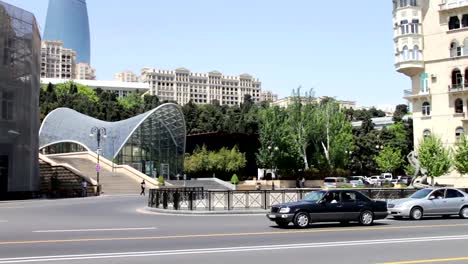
point(421, 194)
point(314, 196)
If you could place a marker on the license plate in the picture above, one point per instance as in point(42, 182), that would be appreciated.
point(272, 216)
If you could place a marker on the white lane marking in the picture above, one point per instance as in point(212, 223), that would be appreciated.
point(3, 221)
point(95, 230)
point(228, 250)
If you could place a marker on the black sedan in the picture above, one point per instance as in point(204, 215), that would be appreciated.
point(329, 206)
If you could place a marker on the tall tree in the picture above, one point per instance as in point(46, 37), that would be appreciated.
point(389, 159)
point(460, 157)
point(434, 157)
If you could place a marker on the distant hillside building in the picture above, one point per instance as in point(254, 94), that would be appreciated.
point(126, 76)
point(285, 102)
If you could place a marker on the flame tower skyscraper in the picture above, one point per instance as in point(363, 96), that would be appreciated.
point(67, 20)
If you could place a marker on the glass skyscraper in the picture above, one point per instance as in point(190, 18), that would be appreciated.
point(67, 20)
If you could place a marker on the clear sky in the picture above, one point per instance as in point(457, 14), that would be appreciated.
point(340, 48)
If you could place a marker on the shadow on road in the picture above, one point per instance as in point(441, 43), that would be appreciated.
point(328, 225)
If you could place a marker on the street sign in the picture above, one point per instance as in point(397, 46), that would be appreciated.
point(98, 168)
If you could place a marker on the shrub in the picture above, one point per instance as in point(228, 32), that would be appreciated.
point(161, 180)
point(234, 179)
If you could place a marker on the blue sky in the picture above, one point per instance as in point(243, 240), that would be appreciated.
point(340, 48)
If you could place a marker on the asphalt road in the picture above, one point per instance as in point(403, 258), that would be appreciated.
point(116, 229)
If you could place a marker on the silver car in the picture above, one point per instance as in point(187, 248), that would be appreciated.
point(429, 202)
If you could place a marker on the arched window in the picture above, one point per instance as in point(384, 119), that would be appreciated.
point(426, 109)
point(416, 53)
point(405, 53)
point(459, 132)
point(455, 49)
point(426, 133)
point(454, 22)
point(459, 106)
point(457, 80)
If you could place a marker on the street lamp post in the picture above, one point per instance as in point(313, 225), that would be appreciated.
point(98, 131)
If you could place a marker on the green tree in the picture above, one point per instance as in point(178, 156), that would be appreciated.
point(389, 159)
point(234, 179)
point(434, 157)
point(131, 101)
point(460, 157)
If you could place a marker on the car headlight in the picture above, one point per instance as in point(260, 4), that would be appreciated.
point(284, 210)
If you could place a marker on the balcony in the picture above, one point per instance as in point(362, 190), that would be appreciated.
point(410, 67)
point(409, 95)
point(453, 4)
point(458, 88)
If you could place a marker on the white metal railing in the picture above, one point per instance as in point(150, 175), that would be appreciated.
point(449, 4)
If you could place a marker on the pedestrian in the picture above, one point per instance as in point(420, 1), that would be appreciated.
point(303, 182)
point(84, 186)
point(143, 186)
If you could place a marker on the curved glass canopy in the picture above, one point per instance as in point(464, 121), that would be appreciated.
point(152, 142)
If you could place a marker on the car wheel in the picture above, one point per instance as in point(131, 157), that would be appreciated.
point(464, 212)
point(416, 213)
point(301, 220)
point(366, 218)
point(282, 224)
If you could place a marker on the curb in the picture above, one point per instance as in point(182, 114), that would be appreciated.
point(224, 212)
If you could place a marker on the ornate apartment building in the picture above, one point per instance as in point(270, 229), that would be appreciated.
point(84, 72)
point(60, 63)
point(431, 48)
point(57, 61)
point(181, 86)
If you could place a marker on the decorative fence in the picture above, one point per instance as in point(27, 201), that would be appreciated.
point(193, 199)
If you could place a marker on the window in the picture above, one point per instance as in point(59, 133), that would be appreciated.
point(403, 3)
point(459, 106)
point(413, 3)
point(404, 27)
point(426, 109)
point(458, 133)
point(451, 193)
point(455, 49)
point(348, 197)
point(438, 194)
point(415, 53)
point(465, 21)
point(426, 133)
point(457, 79)
point(405, 53)
point(454, 22)
point(6, 105)
point(424, 82)
point(415, 26)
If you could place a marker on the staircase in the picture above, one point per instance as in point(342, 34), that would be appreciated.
point(207, 184)
point(111, 182)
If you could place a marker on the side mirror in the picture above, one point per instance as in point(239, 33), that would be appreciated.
point(431, 197)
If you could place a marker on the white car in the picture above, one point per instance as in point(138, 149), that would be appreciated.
point(334, 182)
point(430, 202)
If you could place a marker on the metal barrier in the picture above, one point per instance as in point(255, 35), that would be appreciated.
point(205, 200)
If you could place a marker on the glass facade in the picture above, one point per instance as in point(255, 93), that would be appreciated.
point(153, 142)
point(20, 46)
point(67, 20)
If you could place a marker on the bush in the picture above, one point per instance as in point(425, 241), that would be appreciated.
point(234, 179)
point(161, 180)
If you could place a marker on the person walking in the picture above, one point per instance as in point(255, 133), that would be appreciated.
point(84, 186)
point(143, 186)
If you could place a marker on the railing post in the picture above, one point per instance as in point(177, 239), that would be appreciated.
point(229, 200)
point(265, 195)
point(209, 200)
point(190, 200)
point(165, 199)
